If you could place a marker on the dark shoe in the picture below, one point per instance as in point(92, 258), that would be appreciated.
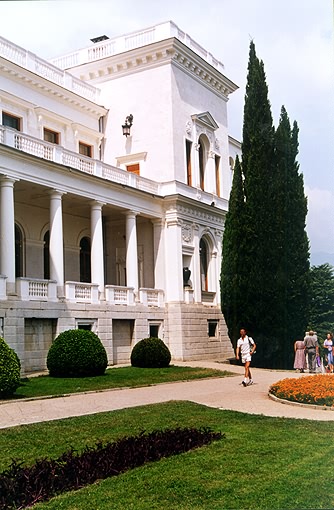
point(244, 383)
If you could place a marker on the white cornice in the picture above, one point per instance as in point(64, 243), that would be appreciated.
point(18, 73)
point(169, 51)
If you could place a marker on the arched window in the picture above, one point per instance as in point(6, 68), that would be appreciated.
point(204, 263)
point(19, 245)
point(46, 255)
point(85, 267)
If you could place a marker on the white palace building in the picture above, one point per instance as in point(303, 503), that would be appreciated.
point(115, 173)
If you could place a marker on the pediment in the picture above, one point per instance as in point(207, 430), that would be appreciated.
point(206, 120)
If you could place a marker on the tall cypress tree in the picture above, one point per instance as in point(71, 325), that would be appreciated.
point(265, 268)
point(233, 245)
point(257, 165)
point(292, 261)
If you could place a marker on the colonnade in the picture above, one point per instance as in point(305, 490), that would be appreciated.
point(56, 251)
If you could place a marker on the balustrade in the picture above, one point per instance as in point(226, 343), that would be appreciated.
point(151, 297)
point(58, 154)
point(35, 289)
point(117, 295)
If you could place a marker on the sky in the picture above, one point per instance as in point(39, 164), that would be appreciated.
point(294, 38)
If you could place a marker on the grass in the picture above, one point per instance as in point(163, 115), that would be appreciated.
point(130, 377)
point(263, 463)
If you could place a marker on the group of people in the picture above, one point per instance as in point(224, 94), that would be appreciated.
point(305, 349)
point(309, 349)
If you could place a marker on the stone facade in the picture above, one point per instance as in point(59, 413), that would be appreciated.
point(96, 227)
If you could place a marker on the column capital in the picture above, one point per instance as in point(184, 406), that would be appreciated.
point(56, 193)
point(95, 205)
point(6, 179)
point(131, 214)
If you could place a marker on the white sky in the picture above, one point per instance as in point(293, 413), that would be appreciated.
point(294, 38)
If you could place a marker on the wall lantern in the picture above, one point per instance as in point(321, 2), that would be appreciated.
point(127, 125)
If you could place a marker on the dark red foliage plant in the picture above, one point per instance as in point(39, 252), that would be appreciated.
point(22, 486)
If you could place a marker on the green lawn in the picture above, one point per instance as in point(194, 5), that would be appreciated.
point(263, 463)
point(113, 378)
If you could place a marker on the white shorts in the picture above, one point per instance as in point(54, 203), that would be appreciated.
point(247, 358)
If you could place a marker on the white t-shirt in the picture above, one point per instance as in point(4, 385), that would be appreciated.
point(328, 343)
point(243, 343)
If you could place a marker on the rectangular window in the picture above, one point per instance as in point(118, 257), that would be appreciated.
point(188, 161)
point(217, 165)
point(133, 168)
point(85, 149)
point(212, 327)
point(51, 136)
point(155, 329)
point(11, 121)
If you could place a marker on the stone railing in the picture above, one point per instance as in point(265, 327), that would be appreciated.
point(78, 292)
point(117, 295)
point(34, 289)
point(151, 297)
point(208, 298)
point(137, 39)
point(47, 70)
point(3, 290)
point(58, 154)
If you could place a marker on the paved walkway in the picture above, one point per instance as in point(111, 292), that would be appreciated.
point(225, 393)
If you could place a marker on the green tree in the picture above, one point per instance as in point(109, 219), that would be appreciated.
point(265, 268)
point(259, 295)
point(233, 245)
point(291, 260)
point(321, 316)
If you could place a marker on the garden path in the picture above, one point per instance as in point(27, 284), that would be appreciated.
point(222, 393)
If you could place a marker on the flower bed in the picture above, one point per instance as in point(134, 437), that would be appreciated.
point(313, 389)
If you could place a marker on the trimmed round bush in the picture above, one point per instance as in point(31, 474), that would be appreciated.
point(77, 353)
point(10, 368)
point(150, 353)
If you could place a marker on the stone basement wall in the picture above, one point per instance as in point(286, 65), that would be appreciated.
point(186, 333)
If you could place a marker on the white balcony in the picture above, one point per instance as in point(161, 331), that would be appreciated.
point(117, 295)
point(209, 298)
point(50, 72)
point(34, 289)
point(3, 292)
point(151, 297)
point(79, 292)
point(58, 154)
point(133, 40)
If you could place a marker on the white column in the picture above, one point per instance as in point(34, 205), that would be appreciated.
point(219, 237)
point(158, 250)
point(173, 258)
point(197, 268)
point(210, 174)
point(97, 252)
point(7, 231)
point(195, 161)
point(56, 241)
point(131, 251)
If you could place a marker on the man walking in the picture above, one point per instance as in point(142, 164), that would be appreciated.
point(245, 349)
point(312, 350)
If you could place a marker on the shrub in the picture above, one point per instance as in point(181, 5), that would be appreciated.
point(23, 486)
point(10, 368)
point(77, 353)
point(150, 353)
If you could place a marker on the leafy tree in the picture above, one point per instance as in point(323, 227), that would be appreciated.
point(321, 316)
